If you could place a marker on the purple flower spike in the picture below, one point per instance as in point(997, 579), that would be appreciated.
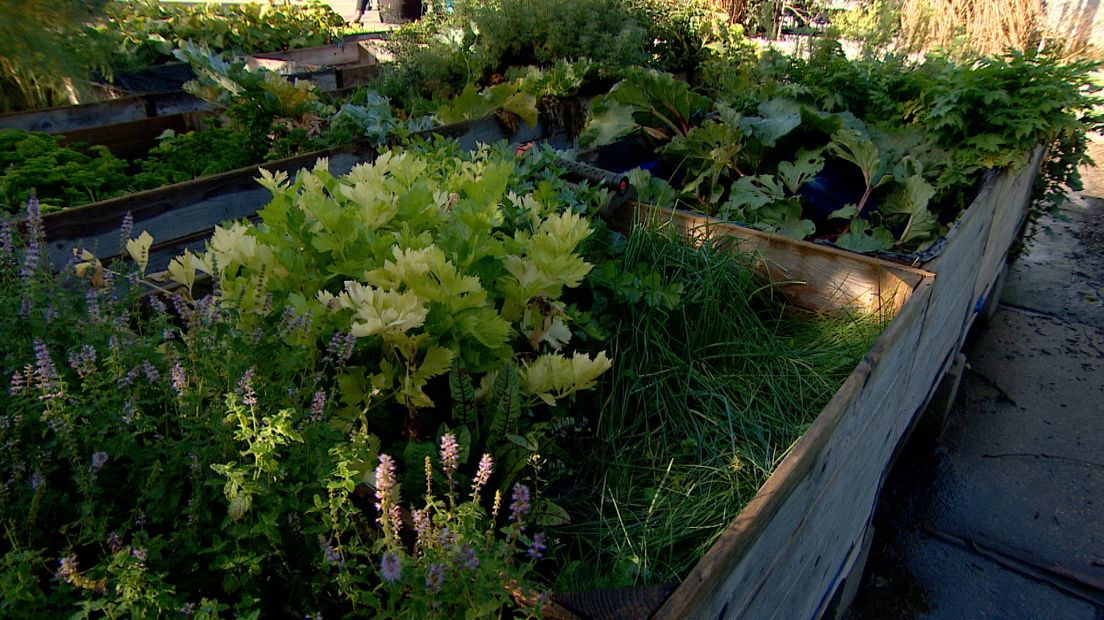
point(387, 504)
point(46, 377)
point(179, 381)
point(538, 546)
point(318, 406)
point(329, 553)
point(126, 228)
point(245, 388)
point(435, 578)
point(520, 506)
point(7, 241)
point(67, 568)
point(468, 560)
point(450, 454)
point(390, 567)
point(482, 475)
point(34, 239)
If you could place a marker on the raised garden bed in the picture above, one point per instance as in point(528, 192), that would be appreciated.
point(331, 67)
point(791, 551)
point(183, 215)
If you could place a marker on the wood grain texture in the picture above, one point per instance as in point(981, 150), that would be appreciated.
point(813, 277)
point(134, 139)
point(615, 603)
point(84, 116)
point(329, 67)
point(178, 211)
point(1011, 197)
point(340, 53)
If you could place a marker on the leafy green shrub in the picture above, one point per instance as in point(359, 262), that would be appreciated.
point(61, 176)
point(873, 154)
point(433, 265)
point(40, 64)
point(183, 157)
point(217, 458)
point(532, 32)
point(681, 35)
point(145, 32)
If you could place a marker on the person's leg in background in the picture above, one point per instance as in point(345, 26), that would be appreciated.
point(361, 6)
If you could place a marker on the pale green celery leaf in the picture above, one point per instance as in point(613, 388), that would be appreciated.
point(607, 123)
point(861, 238)
point(777, 117)
point(404, 167)
point(490, 187)
point(485, 326)
point(805, 166)
point(437, 361)
point(416, 208)
point(554, 376)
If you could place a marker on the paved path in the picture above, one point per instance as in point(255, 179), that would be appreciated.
point(1002, 516)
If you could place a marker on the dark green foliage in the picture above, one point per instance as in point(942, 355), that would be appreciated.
point(43, 59)
point(927, 132)
point(183, 157)
point(540, 32)
point(60, 175)
point(145, 32)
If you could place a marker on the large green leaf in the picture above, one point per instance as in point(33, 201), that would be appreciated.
point(777, 117)
point(862, 238)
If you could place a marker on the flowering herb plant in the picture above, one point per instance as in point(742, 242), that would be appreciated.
point(213, 453)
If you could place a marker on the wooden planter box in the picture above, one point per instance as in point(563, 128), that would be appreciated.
point(331, 67)
point(791, 551)
point(345, 64)
point(88, 115)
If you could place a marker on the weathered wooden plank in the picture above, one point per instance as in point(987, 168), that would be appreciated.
point(67, 118)
point(340, 53)
point(811, 276)
point(614, 604)
point(176, 211)
point(845, 500)
point(790, 549)
point(350, 76)
point(89, 115)
point(134, 139)
point(1012, 191)
point(953, 299)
